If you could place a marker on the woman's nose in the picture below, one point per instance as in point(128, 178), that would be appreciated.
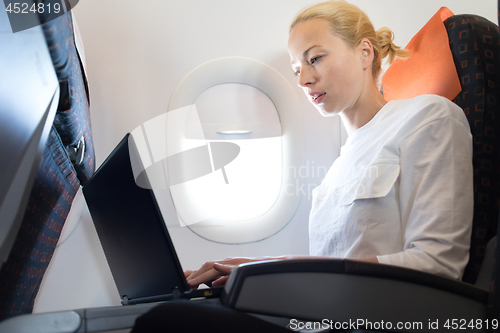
point(305, 78)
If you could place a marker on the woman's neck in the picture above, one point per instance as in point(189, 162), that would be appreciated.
point(365, 109)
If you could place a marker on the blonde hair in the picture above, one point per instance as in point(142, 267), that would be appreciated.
point(352, 25)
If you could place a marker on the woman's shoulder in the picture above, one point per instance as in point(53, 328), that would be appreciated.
point(427, 108)
point(439, 105)
point(409, 115)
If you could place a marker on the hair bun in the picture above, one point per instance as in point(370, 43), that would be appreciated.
point(388, 48)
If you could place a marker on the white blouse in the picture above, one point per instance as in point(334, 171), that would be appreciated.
point(401, 190)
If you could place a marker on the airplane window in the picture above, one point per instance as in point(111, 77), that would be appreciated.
point(245, 116)
point(231, 148)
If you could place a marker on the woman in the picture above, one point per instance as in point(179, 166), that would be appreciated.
point(401, 191)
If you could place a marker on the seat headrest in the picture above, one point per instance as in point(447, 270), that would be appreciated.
point(430, 69)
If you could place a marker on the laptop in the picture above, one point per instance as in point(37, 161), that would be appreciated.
point(133, 235)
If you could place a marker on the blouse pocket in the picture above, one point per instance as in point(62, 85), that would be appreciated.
point(375, 181)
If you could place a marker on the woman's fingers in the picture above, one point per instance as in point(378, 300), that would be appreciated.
point(224, 269)
point(205, 277)
point(203, 269)
point(218, 272)
point(212, 271)
point(220, 281)
point(188, 273)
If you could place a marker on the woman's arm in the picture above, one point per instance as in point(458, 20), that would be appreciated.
point(436, 198)
point(216, 272)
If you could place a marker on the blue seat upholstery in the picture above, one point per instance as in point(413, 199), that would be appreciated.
point(475, 46)
point(72, 120)
point(494, 298)
point(58, 179)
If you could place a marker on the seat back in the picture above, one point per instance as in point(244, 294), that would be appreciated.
point(474, 42)
point(67, 163)
point(493, 309)
point(467, 71)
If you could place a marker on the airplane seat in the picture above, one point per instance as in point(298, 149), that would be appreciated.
point(72, 120)
point(474, 42)
point(467, 76)
point(67, 163)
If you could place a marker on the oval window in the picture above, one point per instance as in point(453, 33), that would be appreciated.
point(231, 148)
point(245, 116)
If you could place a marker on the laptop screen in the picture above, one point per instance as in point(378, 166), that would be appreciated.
point(131, 229)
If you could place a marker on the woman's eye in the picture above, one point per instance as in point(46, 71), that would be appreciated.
point(296, 73)
point(313, 60)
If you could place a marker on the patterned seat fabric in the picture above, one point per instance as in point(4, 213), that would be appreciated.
point(493, 310)
point(57, 181)
point(48, 206)
point(72, 120)
point(474, 42)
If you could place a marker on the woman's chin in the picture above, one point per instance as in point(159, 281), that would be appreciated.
point(326, 113)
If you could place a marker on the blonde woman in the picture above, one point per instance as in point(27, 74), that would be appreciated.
point(401, 191)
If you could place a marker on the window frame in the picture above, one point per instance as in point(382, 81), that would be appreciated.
point(276, 87)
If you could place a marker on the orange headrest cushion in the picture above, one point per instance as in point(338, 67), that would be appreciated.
point(429, 69)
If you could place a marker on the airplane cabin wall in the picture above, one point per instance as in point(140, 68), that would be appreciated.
point(137, 52)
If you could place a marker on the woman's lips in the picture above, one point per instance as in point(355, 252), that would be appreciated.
point(316, 99)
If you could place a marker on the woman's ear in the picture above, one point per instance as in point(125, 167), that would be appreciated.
point(367, 54)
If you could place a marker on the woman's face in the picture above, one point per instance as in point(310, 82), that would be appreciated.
point(328, 70)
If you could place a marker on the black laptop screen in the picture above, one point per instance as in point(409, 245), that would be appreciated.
point(131, 229)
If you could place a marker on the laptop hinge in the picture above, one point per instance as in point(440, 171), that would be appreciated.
point(176, 294)
point(124, 300)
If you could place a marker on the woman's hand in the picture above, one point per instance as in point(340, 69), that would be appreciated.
point(215, 273)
